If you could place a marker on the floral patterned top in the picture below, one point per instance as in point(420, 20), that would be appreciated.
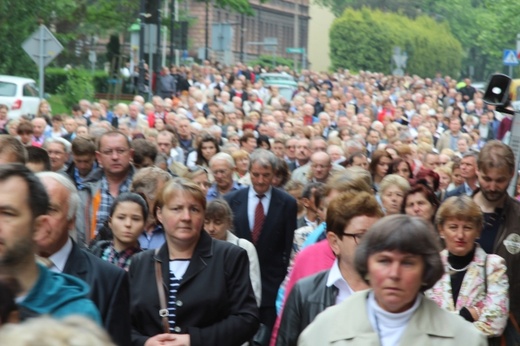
point(493, 306)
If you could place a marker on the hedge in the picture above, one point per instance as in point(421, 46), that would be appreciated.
point(55, 77)
point(364, 40)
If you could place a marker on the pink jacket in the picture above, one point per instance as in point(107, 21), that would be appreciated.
point(310, 260)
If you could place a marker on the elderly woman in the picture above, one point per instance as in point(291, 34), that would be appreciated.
point(218, 224)
point(348, 217)
point(204, 294)
point(398, 256)
point(392, 190)
point(421, 201)
point(474, 284)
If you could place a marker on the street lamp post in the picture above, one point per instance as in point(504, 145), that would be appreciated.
point(140, 87)
point(206, 49)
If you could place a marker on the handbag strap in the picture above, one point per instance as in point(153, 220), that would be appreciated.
point(162, 299)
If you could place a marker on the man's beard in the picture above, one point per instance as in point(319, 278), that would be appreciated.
point(493, 196)
point(17, 253)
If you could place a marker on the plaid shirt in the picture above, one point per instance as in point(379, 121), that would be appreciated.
point(107, 199)
point(121, 259)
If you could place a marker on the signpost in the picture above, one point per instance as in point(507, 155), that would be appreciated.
point(510, 59)
point(42, 47)
point(400, 58)
point(297, 50)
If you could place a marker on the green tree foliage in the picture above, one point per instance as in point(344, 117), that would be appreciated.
point(77, 86)
point(363, 40)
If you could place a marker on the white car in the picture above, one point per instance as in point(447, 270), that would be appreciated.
point(20, 95)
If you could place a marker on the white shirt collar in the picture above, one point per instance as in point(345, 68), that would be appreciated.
point(60, 257)
point(267, 194)
point(335, 276)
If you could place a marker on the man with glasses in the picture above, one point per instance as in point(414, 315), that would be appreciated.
point(222, 166)
point(114, 176)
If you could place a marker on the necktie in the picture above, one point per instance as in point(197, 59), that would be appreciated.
point(45, 261)
point(259, 219)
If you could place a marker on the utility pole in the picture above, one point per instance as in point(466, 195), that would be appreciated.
point(296, 43)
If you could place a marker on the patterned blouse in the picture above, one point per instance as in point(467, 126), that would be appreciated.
point(493, 305)
point(121, 259)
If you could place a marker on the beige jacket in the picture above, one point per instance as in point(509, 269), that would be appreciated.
point(348, 324)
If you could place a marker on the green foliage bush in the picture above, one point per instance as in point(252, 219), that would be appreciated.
point(55, 77)
point(267, 61)
point(77, 86)
point(363, 40)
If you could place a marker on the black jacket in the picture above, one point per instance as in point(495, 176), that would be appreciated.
point(108, 290)
point(307, 299)
point(276, 238)
point(215, 301)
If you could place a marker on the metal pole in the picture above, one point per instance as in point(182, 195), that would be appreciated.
point(140, 83)
point(150, 63)
point(157, 61)
point(511, 71)
point(206, 38)
point(172, 32)
point(296, 43)
point(242, 29)
point(177, 55)
point(41, 57)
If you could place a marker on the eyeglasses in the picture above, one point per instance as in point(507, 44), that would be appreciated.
point(118, 151)
point(194, 169)
point(357, 236)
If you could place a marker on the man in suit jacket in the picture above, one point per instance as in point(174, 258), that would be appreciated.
point(468, 170)
point(273, 241)
point(109, 288)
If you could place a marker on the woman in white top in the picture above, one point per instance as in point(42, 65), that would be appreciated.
point(218, 221)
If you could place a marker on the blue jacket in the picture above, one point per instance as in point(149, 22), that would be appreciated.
point(58, 295)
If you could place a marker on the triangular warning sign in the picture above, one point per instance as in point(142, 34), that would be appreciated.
point(510, 58)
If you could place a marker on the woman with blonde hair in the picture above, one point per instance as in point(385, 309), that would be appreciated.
point(474, 284)
point(203, 293)
point(392, 190)
point(241, 174)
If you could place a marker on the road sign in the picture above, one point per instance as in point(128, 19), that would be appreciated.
point(292, 50)
point(42, 47)
point(510, 58)
point(51, 46)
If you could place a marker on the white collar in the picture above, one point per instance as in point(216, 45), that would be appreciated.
point(60, 257)
point(267, 195)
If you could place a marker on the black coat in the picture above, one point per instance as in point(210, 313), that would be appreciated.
point(276, 238)
point(108, 290)
point(307, 299)
point(215, 301)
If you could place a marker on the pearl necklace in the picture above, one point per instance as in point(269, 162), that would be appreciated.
point(458, 270)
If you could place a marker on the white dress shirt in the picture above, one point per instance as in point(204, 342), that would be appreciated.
point(60, 257)
point(335, 278)
point(252, 202)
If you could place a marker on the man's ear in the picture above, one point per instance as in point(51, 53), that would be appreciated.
point(333, 240)
point(42, 228)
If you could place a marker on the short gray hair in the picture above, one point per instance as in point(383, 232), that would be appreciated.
point(66, 144)
point(264, 158)
point(223, 157)
point(61, 179)
point(405, 234)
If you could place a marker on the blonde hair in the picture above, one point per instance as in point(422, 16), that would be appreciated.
point(394, 180)
point(461, 208)
point(46, 331)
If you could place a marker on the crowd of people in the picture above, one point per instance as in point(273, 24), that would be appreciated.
point(223, 213)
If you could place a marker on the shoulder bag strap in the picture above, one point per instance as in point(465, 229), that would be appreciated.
point(162, 299)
